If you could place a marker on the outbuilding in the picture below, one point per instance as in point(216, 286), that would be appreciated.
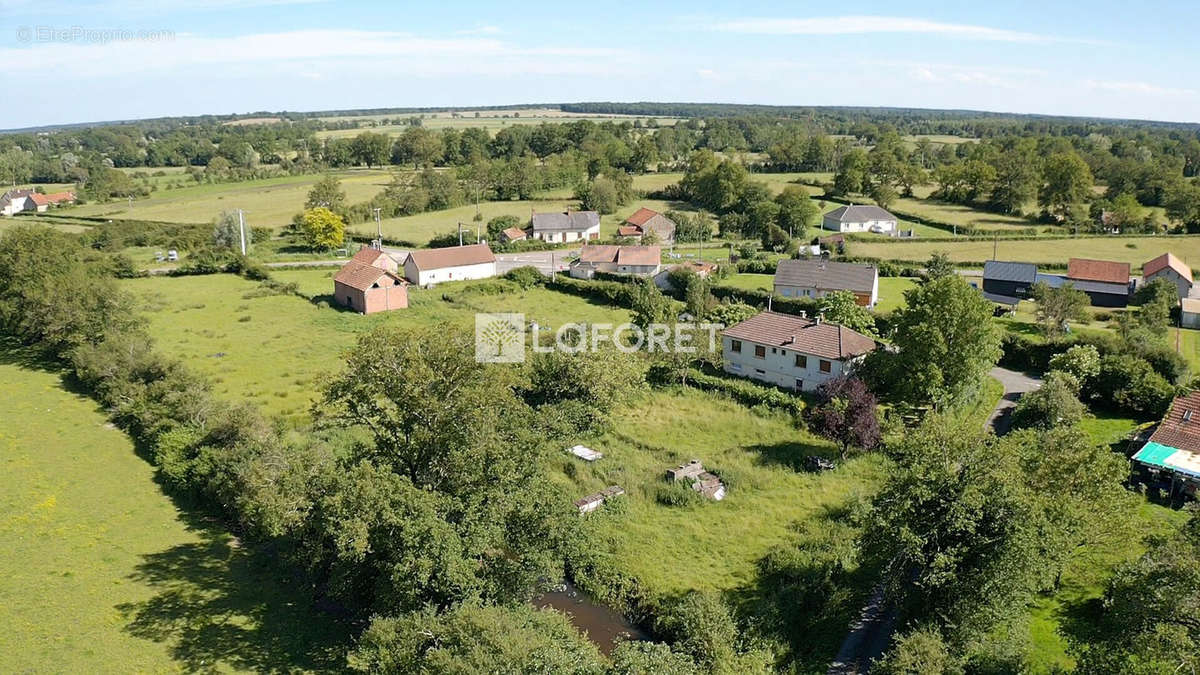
point(1171, 268)
point(368, 289)
point(453, 263)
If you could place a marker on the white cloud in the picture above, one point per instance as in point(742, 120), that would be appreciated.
point(707, 73)
point(1145, 88)
point(480, 30)
point(851, 25)
point(401, 53)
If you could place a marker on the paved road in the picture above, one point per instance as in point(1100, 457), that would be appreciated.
point(869, 637)
point(546, 261)
point(1015, 384)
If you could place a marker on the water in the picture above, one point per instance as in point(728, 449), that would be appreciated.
point(602, 624)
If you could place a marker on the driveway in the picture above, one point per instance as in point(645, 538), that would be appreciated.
point(547, 262)
point(869, 637)
point(1015, 384)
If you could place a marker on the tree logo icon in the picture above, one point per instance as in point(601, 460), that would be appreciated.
point(499, 338)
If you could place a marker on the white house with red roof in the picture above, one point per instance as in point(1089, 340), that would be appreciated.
point(792, 351)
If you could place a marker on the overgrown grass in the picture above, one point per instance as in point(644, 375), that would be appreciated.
point(276, 357)
point(103, 573)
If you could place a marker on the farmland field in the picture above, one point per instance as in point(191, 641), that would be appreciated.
point(102, 569)
point(891, 289)
point(1133, 250)
point(492, 120)
point(269, 202)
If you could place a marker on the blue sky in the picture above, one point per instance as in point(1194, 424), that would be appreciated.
point(1102, 58)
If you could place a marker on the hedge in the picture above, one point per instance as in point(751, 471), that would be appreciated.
point(746, 392)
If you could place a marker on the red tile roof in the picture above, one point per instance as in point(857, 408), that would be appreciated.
point(629, 231)
point(639, 255)
point(515, 233)
point(640, 216)
point(803, 335)
point(598, 253)
point(39, 199)
point(1107, 271)
point(1181, 426)
point(56, 197)
point(1164, 261)
point(451, 256)
point(367, 256)
point(362, 276)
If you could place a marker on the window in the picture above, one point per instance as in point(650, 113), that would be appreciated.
point(787, 292)
point(826, 366)
point(773, 350)
point(736, 346)
point(760, 352)
point(801, 361)
point(799, 385)
point(760, 372)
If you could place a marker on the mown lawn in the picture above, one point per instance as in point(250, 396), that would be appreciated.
point(1133, 250)
point(891, 289)
point(272, 350)
point(103, 573)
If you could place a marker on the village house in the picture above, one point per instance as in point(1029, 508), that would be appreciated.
point(368, 288)
point(376, 258)
point(792, 351)
point(815, 277)
point(1007, 282)
point(1172, 452)
point(16, 201)
point(645, 220)
point(1174, 270)
point(513, 234)
point(860, 218)
point(566, 226)
point(1189, 312)
point(1105, 282)
point(453, 263)
point(635, 260)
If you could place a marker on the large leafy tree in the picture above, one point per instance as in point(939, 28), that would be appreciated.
point(846, 413)
point(446, 501)
point(327, 192)
point(841, 307)
point(1067, 182)
point(323, 229)
point(946, 342)
point(1056, 307)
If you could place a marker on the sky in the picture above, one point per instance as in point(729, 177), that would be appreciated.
point(92, 60)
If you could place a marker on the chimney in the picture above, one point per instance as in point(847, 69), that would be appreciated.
point(803, 314)
point(818, 319)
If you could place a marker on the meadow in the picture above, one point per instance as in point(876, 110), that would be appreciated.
point(102, 570)
point(891, 289)
point(273, 349)
point(270, 202)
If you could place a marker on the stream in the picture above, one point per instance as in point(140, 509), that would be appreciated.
point(602, 624)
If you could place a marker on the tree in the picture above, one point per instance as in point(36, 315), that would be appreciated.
point(956, 532)
point(1082, 361)
point(499, 224)
point(1067, 181)
point(640, 657)
point(1128, 383)
point(1058, 306)
point(796, 211)
point(322, 229)
point(920, 651)
point(418, 146)
point(371, 149)
point(227, 233)
point(648, 304)
point(327, 192)
point(15, 166)
point(1155, 301)
point(883, 194)
point(474, 639)
point(939, 266)
point(1055, 403)
point(845, 413)
point(774, 238)
point(1017, 179)
point(1148, 620)
point(852, 173)
point(946, 342)
point(841, 307)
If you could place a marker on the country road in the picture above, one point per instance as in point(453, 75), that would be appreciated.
point(547, 262)
point(1015, 385)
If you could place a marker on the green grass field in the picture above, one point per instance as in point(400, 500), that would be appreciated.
point(273, 350)
point(891, 289)
point(269, 202)
point(103, 573)
point(1133, 250)
point(493, 121)
point(713, 545)
point(958, 214)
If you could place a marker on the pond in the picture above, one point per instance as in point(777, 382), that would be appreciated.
point(602, 624)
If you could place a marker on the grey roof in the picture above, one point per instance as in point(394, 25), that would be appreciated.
point(1058, 280)
point(859, 213)
point(1000, 270)
point(1001, 299)
point(825, 275)
point(573, 221)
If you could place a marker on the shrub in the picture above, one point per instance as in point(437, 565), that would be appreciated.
point(677, 494)
point(526, 277)
point(1129, 384)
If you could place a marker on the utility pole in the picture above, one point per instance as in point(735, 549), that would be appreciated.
point(995, 243)
point(242, 230)
point(130, 200)
point(378, 230)
point(460, 234)
point(477, 235)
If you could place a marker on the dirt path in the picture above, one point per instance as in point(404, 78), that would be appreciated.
point(1015, 385)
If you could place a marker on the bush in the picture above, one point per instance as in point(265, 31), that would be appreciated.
point(748, 393)
point(1130, 385)
point(677, 494)
point(526, 277)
